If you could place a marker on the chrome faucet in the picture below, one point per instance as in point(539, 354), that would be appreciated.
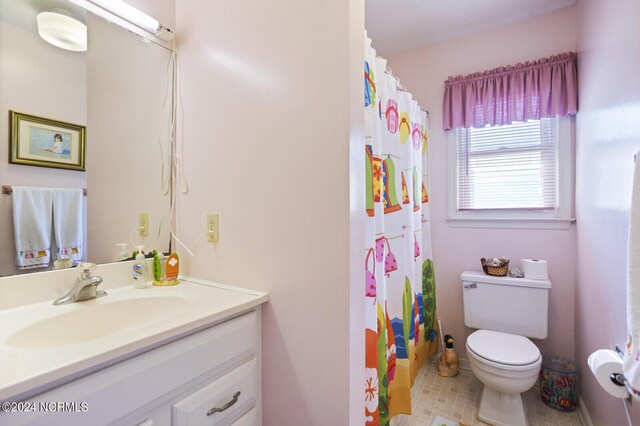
point(85, 286)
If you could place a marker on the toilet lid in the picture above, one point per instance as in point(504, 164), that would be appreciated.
point(503, 348)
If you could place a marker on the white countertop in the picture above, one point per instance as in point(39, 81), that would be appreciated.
point(26, 366)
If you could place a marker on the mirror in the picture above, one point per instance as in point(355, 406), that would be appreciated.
point(120, 89)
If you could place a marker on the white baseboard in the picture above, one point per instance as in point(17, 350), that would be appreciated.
point(584, 414)
point(463, 363)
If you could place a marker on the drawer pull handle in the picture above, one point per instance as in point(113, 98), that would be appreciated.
point(225, 406)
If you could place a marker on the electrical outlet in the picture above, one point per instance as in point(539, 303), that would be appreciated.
point(212, 227)
point(143, 223)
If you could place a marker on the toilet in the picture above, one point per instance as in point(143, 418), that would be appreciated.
point(506, 311)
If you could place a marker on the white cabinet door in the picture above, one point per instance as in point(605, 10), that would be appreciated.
point(222, 401)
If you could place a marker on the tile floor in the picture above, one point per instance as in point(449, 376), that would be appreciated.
point(458, 398)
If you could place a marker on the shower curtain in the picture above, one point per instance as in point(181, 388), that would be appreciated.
point(400, 321)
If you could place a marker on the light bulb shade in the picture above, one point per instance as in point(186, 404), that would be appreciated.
point(127, 16)
point(62, 31)
point(130, 13)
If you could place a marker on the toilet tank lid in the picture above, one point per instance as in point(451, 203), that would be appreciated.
point(481, 277)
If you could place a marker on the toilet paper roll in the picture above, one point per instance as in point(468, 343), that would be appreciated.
point(603, 363)
point(534, 269)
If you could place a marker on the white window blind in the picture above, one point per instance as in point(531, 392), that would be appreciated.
point(508, 167)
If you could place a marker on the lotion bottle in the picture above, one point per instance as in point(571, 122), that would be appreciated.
point(139, 272)
point(159, 278)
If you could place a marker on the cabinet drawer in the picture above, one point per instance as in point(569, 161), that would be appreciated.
point(249, 419)
point(230, 396)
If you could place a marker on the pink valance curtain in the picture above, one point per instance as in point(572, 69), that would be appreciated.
point(543, 88)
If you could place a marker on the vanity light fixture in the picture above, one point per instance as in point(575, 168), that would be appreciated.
point(62, 30)
point(118, 11)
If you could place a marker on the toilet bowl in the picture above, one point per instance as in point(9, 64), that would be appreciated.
point(504, 311)
point(507, 365)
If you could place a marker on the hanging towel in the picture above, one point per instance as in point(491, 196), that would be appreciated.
point(67, 223)
point(32, 226)
point(632, 354)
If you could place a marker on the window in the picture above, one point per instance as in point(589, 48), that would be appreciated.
point(517, 174)
point(508, 167)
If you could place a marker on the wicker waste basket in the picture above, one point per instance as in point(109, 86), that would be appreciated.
point(559, 383)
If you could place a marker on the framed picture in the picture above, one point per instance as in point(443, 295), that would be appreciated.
point(37, 141)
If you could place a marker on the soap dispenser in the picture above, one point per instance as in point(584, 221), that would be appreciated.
point(139, 272)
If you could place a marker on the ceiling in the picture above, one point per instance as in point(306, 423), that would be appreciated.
point(400, 25)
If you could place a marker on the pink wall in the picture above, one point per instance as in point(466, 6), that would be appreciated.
point(40, 79)
point(270, 93)
point(457, 249)
point(608, 135)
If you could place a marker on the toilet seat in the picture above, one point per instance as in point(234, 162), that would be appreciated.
point(503, 348)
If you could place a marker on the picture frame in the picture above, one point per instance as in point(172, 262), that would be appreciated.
point(43, 142)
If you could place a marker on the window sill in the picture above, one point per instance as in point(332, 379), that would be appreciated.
point(512, 223)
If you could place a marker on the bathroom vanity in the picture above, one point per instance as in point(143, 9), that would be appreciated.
point(182, 355)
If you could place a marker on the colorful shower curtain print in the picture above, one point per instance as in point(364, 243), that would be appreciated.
point(400, 288)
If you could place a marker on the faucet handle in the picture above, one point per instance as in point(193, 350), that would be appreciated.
point(86, 268)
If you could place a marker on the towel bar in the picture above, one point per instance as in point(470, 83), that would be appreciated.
point(8, 190)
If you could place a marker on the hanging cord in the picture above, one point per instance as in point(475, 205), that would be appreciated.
point(173, 203)
point(177, 181)
point(165, 183)
point(174, 164)
point(159, 233)
point(138, 228)
point(175, 170)
point(175, 237)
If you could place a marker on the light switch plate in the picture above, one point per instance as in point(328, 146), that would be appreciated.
point(212, 227)
point(143, 223)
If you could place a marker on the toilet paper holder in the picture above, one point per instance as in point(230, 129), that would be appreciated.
point(607, 367)
point(618, 379)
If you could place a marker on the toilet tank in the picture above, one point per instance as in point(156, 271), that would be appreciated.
point(511, 305)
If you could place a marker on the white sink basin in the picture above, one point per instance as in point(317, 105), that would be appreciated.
point(99, 318)
point(42, 345)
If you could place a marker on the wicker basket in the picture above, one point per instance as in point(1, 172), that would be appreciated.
point(498, 271)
